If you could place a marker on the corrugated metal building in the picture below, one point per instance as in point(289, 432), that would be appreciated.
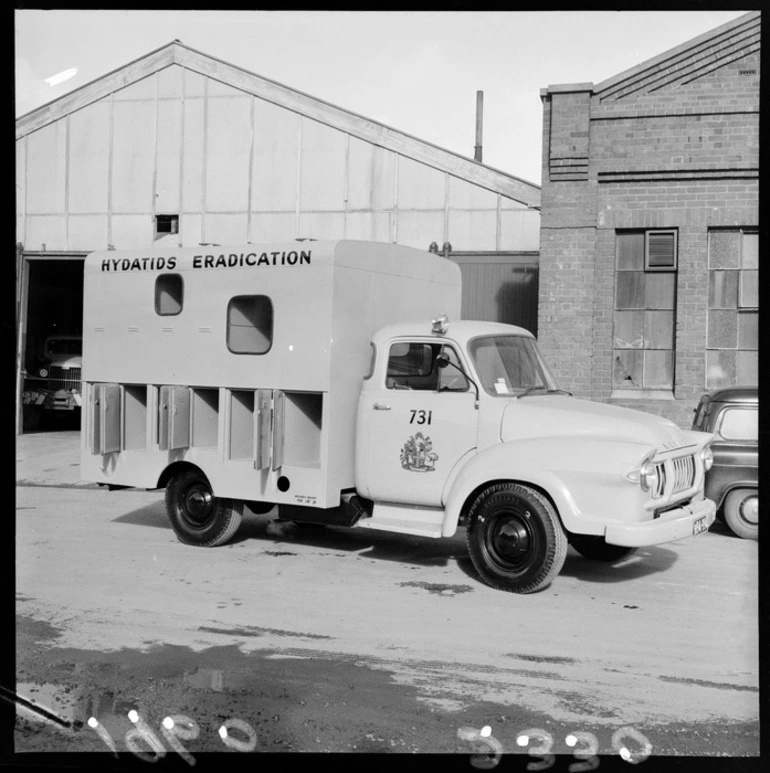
point(181, 147)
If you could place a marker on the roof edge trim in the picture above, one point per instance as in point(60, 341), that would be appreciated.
point(176, 52)
point(651, 63)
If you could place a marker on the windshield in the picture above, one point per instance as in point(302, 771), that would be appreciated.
point(56, 346)
point(507, 365)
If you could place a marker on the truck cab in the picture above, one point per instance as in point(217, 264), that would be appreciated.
point(335, 381)
point(466, 421)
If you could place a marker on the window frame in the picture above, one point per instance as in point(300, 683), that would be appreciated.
point(732, 409)
point(443, 346)
point(168, 276)
point(647, 309)
point(657, 232)
point(228, 325)
point(729, 362)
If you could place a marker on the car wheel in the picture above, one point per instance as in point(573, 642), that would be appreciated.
point(515, 538)
point(196, 515)
point(596, 549)
point(741, 511)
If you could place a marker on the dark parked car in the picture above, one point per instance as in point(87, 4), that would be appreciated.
point(731, 415)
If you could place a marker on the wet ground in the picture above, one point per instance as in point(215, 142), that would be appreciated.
point(354, 642)
point(289, 702)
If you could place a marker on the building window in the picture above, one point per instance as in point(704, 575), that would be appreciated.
point(166, 224)
point(250, 324)
point(169, 294)
point(733, 335)
point(645, 300)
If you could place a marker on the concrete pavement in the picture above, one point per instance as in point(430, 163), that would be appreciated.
point(49, 459)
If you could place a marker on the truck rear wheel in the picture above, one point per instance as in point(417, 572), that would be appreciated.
point(596, 549)
point(515, 538)
point(741, 511)
point(196, 515)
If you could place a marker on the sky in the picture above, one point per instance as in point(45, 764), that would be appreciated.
point(417, 72)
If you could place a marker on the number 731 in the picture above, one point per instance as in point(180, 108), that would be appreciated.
point(420, 417)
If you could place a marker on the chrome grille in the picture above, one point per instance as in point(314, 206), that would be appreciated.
point(661, 487)
point(682, 473)
point(63, 378)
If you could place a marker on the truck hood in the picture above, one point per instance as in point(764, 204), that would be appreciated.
point(562, 416)
point(66, 361)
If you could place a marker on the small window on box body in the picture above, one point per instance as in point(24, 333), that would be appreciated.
point(250, 324)
point(169, 294)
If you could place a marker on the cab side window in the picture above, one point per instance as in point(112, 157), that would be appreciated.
point(412, 365)
point(739, 424)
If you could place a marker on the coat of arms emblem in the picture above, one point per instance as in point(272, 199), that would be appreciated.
point(418, 455)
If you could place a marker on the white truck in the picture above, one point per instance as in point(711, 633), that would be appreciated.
point(334, 380)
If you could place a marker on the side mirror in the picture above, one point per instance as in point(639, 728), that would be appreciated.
point(442, 360)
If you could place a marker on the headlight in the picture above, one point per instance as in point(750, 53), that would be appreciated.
point(707, 456)
point(652, 478)
point(43, 372)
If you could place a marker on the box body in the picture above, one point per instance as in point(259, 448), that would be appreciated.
point(244, 360)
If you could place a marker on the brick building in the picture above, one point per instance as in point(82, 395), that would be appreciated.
point(649, 230)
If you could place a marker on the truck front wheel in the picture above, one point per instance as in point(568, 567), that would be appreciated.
point(515, 538)
point(196, 515)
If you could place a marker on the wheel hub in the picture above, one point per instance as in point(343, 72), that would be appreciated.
point(749, 510)
point(197, 503)
point(512, 539)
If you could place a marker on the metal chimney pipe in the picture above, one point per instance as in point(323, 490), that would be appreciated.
point(479, 125)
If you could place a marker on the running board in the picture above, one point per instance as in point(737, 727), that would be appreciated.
point(420, 521)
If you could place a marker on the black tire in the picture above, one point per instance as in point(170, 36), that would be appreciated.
point(596, 549)
point(196, 515)
point(741, 512)
point(515, 538)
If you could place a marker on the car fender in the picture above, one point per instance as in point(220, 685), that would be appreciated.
point(718, 492)
point(560, 467)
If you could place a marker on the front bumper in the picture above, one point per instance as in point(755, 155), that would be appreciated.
point(672, 525)
point(63, 400)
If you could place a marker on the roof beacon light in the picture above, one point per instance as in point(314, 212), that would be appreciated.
point(440, 325)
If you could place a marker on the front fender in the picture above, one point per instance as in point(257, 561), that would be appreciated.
point(585, 480)
point(718, 490)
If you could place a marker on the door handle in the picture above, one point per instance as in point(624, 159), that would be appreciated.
point(381, 407)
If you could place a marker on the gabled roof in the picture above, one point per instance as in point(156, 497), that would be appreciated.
point(690, 60)
point(176, 53)
point(679, 65)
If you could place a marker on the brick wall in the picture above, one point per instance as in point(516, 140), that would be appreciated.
point(673, 145)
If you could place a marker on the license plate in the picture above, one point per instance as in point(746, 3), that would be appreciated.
point(699, 525)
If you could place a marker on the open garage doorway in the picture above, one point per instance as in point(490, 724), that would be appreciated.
point(49, 342)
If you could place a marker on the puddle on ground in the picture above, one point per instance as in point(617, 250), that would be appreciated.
point(440, 589)
point(206, 679)
point(51, 698)
point(110, 711)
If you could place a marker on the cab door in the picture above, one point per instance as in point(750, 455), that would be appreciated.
point(422, 419)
